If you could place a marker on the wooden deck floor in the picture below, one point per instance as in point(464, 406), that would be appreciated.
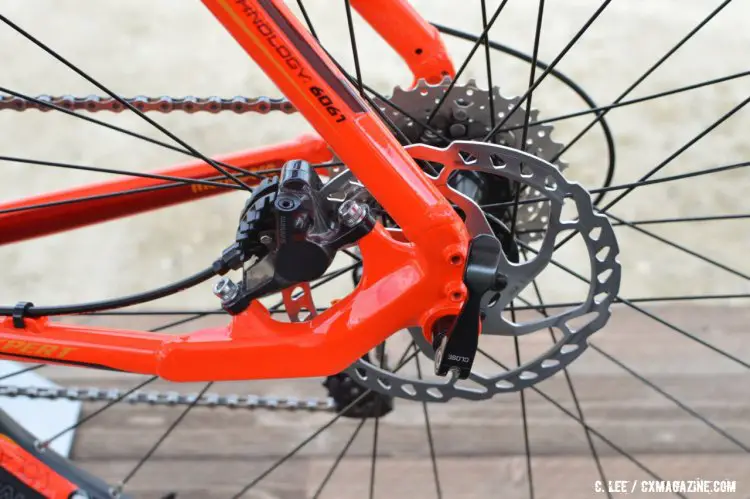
point(480, 448)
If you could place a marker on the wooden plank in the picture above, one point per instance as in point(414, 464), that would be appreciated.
point(555, 477)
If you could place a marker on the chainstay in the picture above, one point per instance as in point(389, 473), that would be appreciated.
point(163, 104)
point(156, 398)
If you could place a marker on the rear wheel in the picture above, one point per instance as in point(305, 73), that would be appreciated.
point(661, 392)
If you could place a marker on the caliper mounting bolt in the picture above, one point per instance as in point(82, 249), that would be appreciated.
point(352, 213)
point(226, 289)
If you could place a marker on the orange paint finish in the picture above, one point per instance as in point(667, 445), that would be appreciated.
point(412, 281)
point(33, 472)
point(21, 225)
point(125, 350)
point(395, 292)
point(332, 106)
point(416, 41)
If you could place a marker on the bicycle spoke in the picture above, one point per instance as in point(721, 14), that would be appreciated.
point(645, 75)
point(154, 176)
point(462, 68)
point(351, 255)
point(353, 42)
point(104, 124)
point(524, 419)
point(593, 431)
point(430, 441)
point(22, 371)
point(532, 74)
point(122, 101)
point(542, 310)
point(180, 322)
point(671, 398)
point(656, 299)
point(546, 72)
point(527, 115)
point(376, 428)
point(325, 279)
point(163, 437)
point(173, 312)
point(44, 444)
point(140, 190)
point(404, 360)
point(659, 221)
point(572, 85)
point(277, 308)
point(649, 314)
point(569, 381)
point(302, 9)
point(630, 102)
point(97, 197)
point(640, 183)
point(339, 458)
point(678, 246)
point(679, 151)
point(418, 122)
point(488, 64)
point(374, 456)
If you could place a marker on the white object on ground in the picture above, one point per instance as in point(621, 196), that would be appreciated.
point(43, 418)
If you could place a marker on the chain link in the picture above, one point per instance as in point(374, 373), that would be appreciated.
point(164, 104)
point(155, 398)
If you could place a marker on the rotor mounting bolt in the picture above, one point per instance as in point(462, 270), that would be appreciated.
point(460, 114)
point(226, 289)
point(457, 130)
point(351, 212)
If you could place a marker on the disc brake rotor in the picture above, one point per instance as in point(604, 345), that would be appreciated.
point(466, 114)
point(601, 247)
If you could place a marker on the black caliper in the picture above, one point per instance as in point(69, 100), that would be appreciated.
point(290, 233)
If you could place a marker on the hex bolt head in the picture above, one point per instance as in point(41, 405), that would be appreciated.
point(226, 289)
point(351, 212)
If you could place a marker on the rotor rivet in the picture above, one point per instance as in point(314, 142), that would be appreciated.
point(351, 212)
point(226, 289)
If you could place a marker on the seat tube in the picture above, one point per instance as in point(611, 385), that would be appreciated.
point(291, 57)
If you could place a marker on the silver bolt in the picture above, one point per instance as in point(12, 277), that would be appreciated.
point(226, 289)
point(266, 240)
point(352, 212)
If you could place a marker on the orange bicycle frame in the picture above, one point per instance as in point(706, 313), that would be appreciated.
point(410, 282)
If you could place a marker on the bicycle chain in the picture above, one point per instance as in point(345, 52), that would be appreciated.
point(163, 104)
point(156, 398)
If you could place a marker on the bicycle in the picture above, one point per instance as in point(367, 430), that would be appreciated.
point(450, 199)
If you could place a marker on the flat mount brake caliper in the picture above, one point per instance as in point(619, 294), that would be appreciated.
point(288, 234)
